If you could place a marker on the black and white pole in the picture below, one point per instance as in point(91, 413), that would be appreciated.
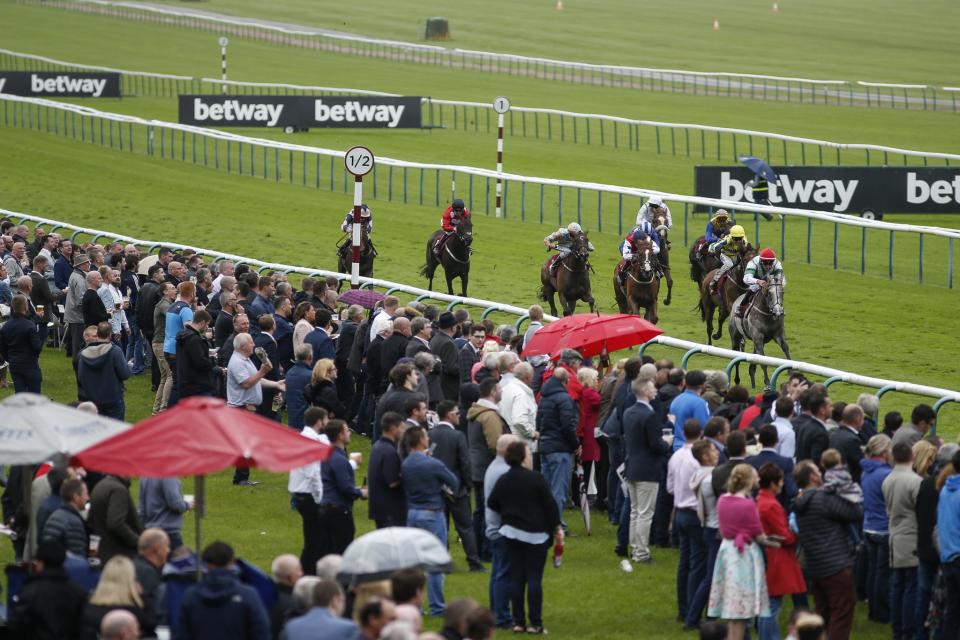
point(501, 105)
point(223, 63)
point(359, 162)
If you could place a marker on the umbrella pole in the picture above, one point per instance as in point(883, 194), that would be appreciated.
point(199, 507)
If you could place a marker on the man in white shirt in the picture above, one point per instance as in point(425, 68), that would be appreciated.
point(243, 388)
point(379, 322)
point(226, 269)
point(113, 302)
point(307, 490)
point(786, 436)
point(518, 407)
point(539, 363)
point(693, 560)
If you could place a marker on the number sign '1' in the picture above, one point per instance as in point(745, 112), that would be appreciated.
point(359, 160)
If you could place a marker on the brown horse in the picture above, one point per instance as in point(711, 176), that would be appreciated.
point(572, 279)
point(728, 291)
point(454, 256)
point(641, 287)
point(367, 254)
point(660, 224)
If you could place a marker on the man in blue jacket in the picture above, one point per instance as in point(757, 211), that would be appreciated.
point(220, 606)
point(20, 345)
point(323, 621)
point(688, 405)
point(296, 380)
point(557, 419)
point(101, 370)
point(645, 451)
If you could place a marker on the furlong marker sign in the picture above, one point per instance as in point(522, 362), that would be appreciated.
point(301, 112)
point(842, 189)
point(74, 84)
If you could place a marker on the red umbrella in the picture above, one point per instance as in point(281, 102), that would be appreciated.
point(200, 436)
point(544, 340)
point(610, 333)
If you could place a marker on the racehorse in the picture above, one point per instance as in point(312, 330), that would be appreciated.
point(761, 322)
point(660, 223)
point(727, 291)
point(367, 254)
point(572, 279)
point(454, 256)
point(641, 287)
point(701, 264)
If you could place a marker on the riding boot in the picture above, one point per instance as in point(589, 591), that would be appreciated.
point(713, 283)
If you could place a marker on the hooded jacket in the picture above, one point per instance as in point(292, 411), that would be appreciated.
point(823, 519)
point(113, 517)
point(556, 419)
point(221, 607)
point(948, 519)
point(194, 364)
point(101, 369)
point(484, 427)
point(49, 607)
point(874, 510)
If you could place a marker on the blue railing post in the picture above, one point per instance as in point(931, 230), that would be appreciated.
point(829, 381)
point(689, 354)
point(936, 410)
point(776, 374)
point(733, 363)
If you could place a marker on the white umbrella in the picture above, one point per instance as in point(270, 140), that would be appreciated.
point(375, 555)
point(33, 428)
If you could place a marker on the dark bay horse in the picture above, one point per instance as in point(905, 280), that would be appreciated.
point(660, 224)
point(728, 291)
point(367, 254)
point(454, 256)
point(572, 279)
point(701, 264)
point(761, 323)
point(641, 287)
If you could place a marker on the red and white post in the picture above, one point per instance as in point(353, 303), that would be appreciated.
point(501, 105)
point(359, 162)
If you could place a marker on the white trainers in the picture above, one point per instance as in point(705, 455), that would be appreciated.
point(625, 566)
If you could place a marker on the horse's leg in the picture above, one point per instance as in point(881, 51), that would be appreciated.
point(708, 317)
point(781, 339)
point(449, 276)
point(548, 294)
point(651, 313)
point(736, 344)
point(464, 277)
point(669, 276)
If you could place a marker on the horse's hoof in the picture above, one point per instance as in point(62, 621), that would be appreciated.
point(666, 302)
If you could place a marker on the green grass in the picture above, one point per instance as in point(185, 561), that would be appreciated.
point(885, 41)
point(838, 319)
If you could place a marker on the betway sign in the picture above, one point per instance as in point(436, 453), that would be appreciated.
point(301, 112)
point(60, 83)
point(842, 189)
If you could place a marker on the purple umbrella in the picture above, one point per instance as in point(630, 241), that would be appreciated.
point(366, 298)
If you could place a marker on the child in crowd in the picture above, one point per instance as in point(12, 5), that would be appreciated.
point(836, 479)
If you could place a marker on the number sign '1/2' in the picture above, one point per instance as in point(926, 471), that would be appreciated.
point(359, 161)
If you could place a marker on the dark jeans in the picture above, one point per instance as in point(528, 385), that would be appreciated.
point(479, 522)
point(175, 382)
point(459, 511)
point(312, 532)
point(345, 388)
point(26, 380)
point(526, 571)
point(835, 599)
point(500, 581)
point(116, 410)
point(603, 467)
point(903, 601)
point(337, 525)
point(623, 525)
point(698, 599)
point(878, 576)
point(926, 572)
point(692, 557)
point(951, 618)
point(614, 490)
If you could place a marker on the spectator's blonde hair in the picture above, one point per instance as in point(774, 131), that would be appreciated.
point(587, 376)
point(118, 584)
point(878, 445)
point(490, 346)
point(741, 478)
point(924, 453)
point(322, 370)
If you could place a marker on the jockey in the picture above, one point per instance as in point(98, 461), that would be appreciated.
point(728, 251)
point(760, 269)
point(653, 208)
point(453, 215)
point(717, 227)
point(643, 231)
point(562, 241)
point(366, 218)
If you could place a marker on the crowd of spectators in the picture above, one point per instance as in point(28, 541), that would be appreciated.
point(782, 494)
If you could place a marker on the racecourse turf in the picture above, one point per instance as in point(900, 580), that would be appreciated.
point(868, 325)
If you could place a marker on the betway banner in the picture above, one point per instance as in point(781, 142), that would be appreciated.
point(301, 112)
point(842, 189)
point(60, 83)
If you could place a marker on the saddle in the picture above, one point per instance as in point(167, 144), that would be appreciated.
point(438, 245)
point(745, 301)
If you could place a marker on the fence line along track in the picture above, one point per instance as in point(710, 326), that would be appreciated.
point(725, 84)
point(678, 139)
point(303, 165)
point(832, 376)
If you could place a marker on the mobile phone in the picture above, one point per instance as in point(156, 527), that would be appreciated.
point(432, 448)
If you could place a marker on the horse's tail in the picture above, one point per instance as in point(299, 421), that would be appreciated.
point(703, 310)
point(541, 295)
point(424, 271)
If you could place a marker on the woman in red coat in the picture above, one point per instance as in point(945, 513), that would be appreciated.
point(589, 410)
point(784, 575)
